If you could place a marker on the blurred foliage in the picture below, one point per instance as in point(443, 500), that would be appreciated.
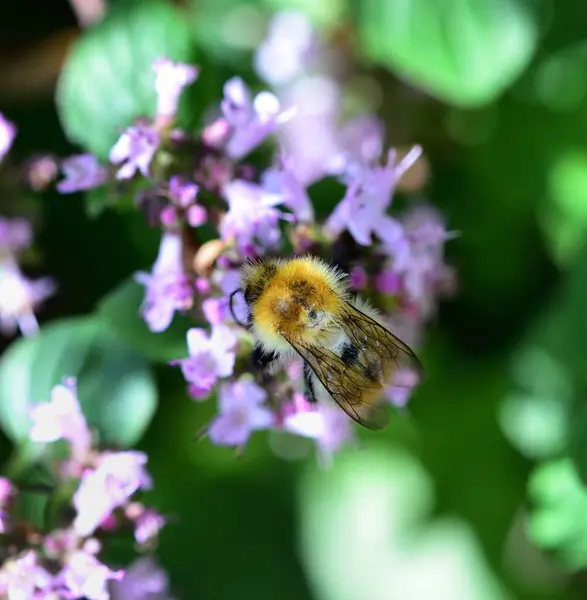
point(466, 52)
point(120, 311)
point(107, 80)
point(116, 388)
point(496, 91)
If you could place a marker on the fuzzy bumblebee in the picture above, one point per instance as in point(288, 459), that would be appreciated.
point(303, 307)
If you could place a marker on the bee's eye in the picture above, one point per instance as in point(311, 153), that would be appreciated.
point(312, 314)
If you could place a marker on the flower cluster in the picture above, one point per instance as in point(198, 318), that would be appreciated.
point(90, 496)
point(19, 295)
point(394, 259)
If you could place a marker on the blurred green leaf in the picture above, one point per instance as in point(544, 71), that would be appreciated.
point(564, 218)
point(466, 52)
point(322, 14)
point(116, 389)
point(228, 29)
point(363, 534)
point(120, 311)
point(535, 418)
point(559, 519)
point(119, 195)
point(108, 79)
point(535, 424)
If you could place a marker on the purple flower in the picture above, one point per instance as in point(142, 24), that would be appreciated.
point(285, 52)
point(388, 282)
point(363, 210)
point(328, 425)
point(6, 492)
point(311, 139)
point(183, 194)
point(7, 135)
point(21, 578)
point(217, 310)
point(251, 217)
point(209, 358)
point(82, 172)
point(15, 235)
point(169, 83)
point(241, 413)
point(118, 476)
point(404, 383)
point(420, 259)
point(358, 278)
point(62, 418)
point(143, 580)
point(168, 288)
point(148, 523)
point(86, 577)
point(360, 143)
point(135, 149)
point(283, 181)
point(251, 120)
point(19, 297)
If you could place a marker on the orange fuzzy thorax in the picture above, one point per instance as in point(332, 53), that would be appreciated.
point(297, 299)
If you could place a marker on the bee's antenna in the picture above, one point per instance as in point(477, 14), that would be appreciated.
point(230, 304)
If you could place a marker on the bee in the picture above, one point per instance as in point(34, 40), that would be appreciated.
point(302, 307)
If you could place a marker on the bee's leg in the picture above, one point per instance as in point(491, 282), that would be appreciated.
point(309, 391)
point(262, 359)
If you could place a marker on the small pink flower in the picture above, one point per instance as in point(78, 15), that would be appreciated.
point(7, 135)
point(62, 418)
point(209, 358)
point(135, 150)
point(86, 577)
point(22, 578)
point(252, 219)
point(170, 81)
point(118, 476)
point(143, 580)
point(241, 413)
point(15, 235)
point(252, 120)
point(168, 288)
point(19, 297)
point(363, 210)
point(82, 172)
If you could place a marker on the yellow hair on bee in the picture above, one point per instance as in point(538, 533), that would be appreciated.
point(295, 299)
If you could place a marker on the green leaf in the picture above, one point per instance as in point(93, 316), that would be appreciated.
point(116, 389)
point(535, 417)
point(465, 52)
point(120, 311)
point(564, 218)
point(558, 521)
point(108, 79)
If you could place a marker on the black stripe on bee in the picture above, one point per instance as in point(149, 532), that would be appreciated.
point(349, 354)
point(309, 391)
point(255, 289)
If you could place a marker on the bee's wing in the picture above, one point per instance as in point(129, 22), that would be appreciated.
point(380, 346)
point(357, 395)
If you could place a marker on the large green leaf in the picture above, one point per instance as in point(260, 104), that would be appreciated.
point(466, 52)
point(116, 389)
point(108, 79)
point(120, 311)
